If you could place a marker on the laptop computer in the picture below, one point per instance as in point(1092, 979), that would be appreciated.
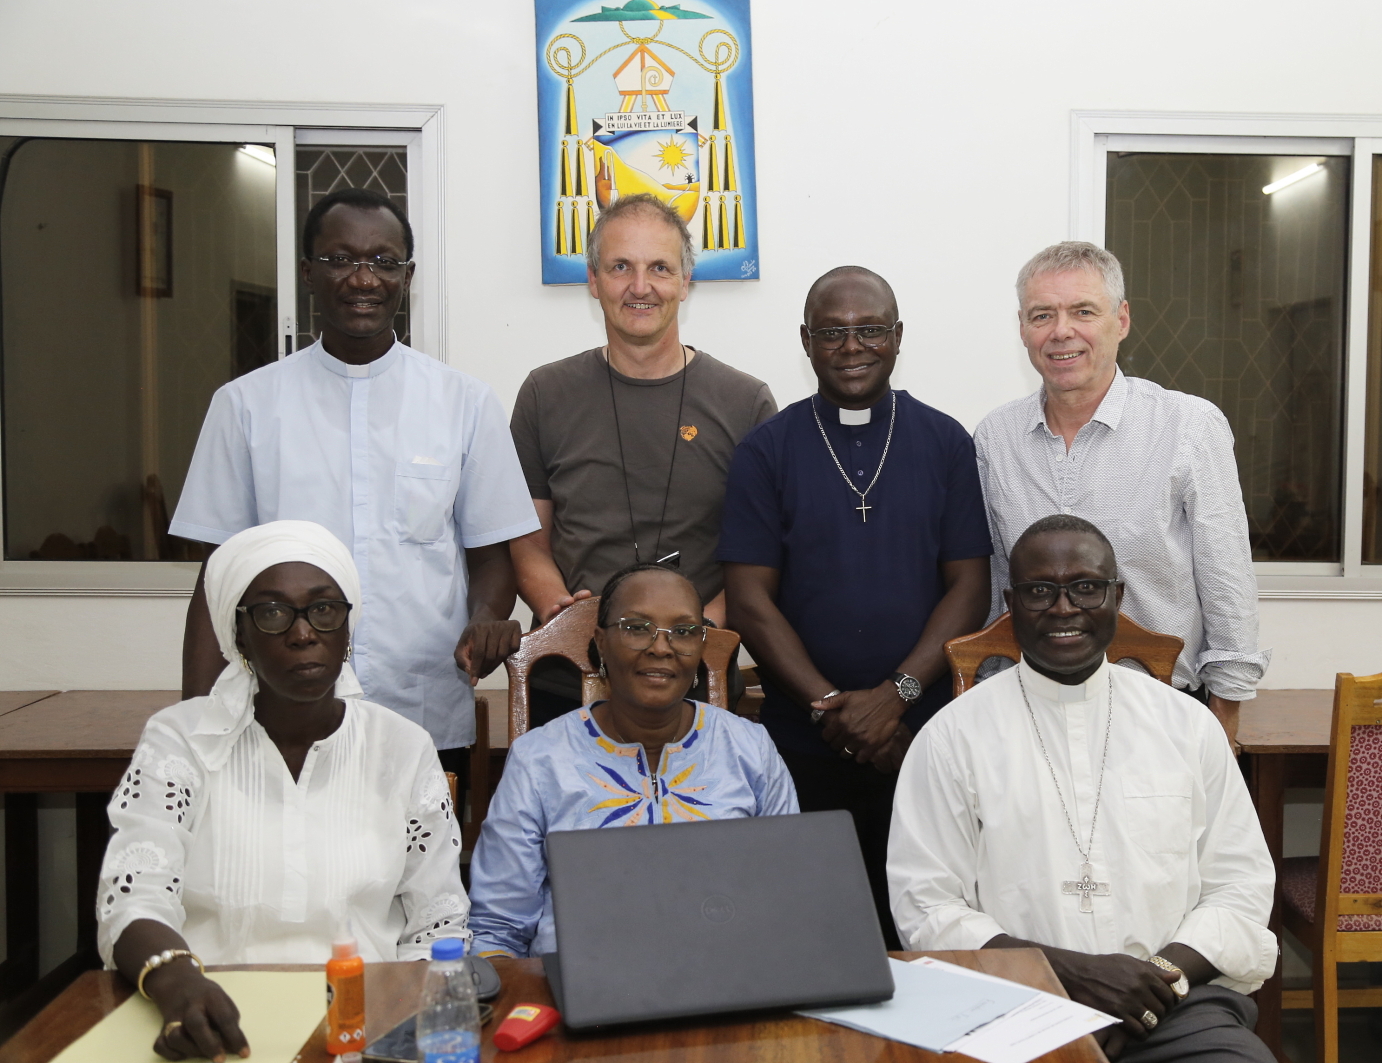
point(663, 921)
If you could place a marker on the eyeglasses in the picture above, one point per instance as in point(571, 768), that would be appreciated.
point(339, 267)
point(1039, 595)
point(830, 339)
point(640, 635)
point(274, 618)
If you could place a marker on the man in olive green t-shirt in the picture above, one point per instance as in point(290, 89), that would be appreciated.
point(626, 447)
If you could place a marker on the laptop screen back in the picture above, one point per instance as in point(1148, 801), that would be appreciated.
point(698, 918)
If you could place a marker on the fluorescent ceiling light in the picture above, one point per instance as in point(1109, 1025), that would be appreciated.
point(1291, 178)
point(260, 152)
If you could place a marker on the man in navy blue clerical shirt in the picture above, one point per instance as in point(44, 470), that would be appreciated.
point(855, 544)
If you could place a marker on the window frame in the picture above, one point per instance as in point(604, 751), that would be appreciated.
point(1095, 133)
point(283, 125)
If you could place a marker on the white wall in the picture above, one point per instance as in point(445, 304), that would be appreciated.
point(929, 142)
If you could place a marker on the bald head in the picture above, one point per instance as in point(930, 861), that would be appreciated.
point(1032, 545)
point(850, 278)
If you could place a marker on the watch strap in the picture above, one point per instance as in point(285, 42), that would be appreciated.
point(902, 677)
point(1180, 987)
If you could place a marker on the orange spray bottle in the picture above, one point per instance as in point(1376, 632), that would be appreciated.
point(345, 1001)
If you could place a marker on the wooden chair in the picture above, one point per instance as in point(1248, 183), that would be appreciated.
point(568, 635)
point(1154, 651)
point(751, 701)
point(478, 787)
point(1333, 902)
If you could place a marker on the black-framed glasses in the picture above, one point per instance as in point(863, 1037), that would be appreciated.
point(1040, 595)
point(831, 339)
point(636, 634)
point(274, 618)
point(338, 267)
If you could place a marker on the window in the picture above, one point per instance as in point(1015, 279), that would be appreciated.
point(1237, 284)
point(1250, 245)
point(148, 254)
point(136, 278)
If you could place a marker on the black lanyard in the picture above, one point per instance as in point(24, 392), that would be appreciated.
point(619, 434)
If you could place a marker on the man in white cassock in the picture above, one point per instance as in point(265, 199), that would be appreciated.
point(1089, 810)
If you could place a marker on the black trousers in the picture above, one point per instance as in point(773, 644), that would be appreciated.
point(825, 783)
point(1211, 1025)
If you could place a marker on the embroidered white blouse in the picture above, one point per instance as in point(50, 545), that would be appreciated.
point(215, 839)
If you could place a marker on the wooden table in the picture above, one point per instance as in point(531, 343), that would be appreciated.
point(392, 991)
point(1285, 738)
point(76, 741)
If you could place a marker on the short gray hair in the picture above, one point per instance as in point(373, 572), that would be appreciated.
point(1072, 255)
point(646, 204)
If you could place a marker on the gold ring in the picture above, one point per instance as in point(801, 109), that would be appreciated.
point(1149, 1020)
point(175, 1024)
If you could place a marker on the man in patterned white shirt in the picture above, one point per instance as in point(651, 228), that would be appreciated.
point(1152, 468)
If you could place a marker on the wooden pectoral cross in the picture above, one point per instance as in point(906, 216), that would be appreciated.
point(1085, 887)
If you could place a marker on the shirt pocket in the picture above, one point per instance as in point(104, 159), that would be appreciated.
point(1158, 811)
point(423, 497)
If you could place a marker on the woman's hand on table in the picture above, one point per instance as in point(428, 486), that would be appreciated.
point(199, 1018)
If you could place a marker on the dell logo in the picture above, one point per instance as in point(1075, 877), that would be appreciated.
point(717, 908)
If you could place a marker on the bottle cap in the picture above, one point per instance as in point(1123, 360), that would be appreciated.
point(344, 949)
point(448, 948)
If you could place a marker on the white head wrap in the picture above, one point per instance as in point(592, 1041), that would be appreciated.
point(229, 572)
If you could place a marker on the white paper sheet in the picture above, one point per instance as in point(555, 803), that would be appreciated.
point(1039, 1025)
point(931, 1007)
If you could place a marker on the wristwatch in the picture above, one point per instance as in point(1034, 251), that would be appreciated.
point(1181, 986)
point(908, 688)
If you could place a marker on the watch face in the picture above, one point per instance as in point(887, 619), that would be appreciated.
point(908, 689)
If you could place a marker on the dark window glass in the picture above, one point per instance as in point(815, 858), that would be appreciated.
point(1372, 460)
point(1238, 295)
point(135, 279)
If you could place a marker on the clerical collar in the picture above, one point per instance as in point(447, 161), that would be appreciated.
point(1065, 693)
point(857, 417)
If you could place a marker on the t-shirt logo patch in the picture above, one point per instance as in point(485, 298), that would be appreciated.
point(688, 432)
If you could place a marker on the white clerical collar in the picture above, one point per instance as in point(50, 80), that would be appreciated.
point(1038, 685)
point(855, 417)
point(333, 364)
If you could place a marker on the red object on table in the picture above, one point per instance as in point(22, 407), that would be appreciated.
point(524, 1025)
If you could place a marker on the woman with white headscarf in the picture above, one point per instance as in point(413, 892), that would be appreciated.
point(256, 823)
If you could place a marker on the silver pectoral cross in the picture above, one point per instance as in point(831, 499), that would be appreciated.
point(1085, 887)
point(863, 507)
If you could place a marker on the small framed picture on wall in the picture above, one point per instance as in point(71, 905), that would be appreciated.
point(154, 224)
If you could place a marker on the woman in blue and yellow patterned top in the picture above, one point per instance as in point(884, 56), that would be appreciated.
point(647, 755)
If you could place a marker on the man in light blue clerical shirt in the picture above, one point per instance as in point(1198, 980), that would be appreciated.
point(407, 461)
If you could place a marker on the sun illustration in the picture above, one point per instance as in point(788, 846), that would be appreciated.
point(673, 155)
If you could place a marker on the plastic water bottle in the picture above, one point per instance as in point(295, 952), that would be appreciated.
point(448, 1026)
